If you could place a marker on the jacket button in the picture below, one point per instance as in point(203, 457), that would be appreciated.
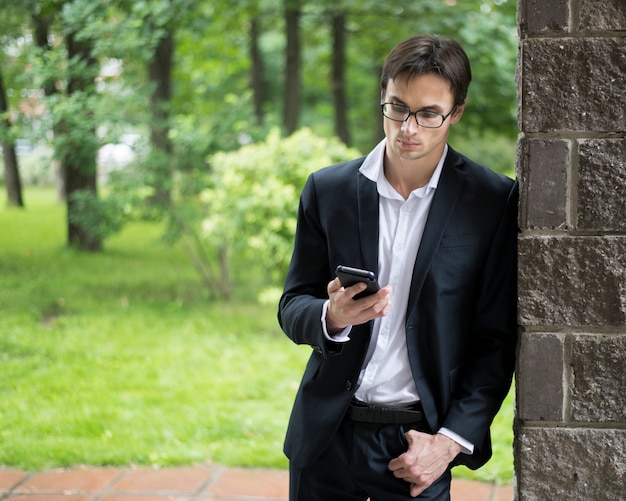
point(348, 385)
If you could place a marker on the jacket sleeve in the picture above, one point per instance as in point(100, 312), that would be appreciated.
point(305, 291)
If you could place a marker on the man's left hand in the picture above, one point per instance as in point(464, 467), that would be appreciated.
point(427, 458)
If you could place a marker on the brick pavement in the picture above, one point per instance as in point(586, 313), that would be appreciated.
point(197, 483)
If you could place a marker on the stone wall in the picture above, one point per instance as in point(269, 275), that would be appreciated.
point(571, 394)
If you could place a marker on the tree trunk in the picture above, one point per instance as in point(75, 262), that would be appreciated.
point(292, 66)
point(12, 179)
point(256, 76)
point(160, 74)
point(78, 159)
point(339, 78)
point(11, 172)
point(379, 131)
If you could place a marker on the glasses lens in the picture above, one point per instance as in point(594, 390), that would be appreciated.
point(429, 119)
point(400, 113)
point(395, 112)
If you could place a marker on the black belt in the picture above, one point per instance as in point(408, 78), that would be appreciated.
point(368, 413)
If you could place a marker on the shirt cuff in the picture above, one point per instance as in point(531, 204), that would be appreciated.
point(467, 447)
point(340, 337)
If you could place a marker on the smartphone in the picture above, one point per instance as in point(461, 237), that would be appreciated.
point(350, 276)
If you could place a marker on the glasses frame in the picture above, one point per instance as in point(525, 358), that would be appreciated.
point(414, 114)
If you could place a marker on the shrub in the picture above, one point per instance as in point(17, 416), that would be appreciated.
point(248, 209)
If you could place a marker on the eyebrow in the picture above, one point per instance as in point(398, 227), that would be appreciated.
point(431, 107)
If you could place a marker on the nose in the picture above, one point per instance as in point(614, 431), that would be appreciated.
point(410, 125)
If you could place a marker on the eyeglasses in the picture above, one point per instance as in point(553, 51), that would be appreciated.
point(401, 113)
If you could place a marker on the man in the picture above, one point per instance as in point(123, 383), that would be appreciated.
point(402, 384)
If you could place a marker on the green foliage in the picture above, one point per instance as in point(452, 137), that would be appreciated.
point(73, 116)
point(211, 109)
point(490, 149)
point(99, 218)
point(250, 204)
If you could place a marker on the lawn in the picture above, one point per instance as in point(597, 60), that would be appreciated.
point(118, 358)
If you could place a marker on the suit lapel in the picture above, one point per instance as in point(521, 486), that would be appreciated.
point(367, 199)
point(445, 199)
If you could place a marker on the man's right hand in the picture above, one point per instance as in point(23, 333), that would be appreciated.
point(343, 310)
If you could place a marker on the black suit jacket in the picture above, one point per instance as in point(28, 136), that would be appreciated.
point(461, 314)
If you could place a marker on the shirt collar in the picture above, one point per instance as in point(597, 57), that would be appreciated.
point(372, 168)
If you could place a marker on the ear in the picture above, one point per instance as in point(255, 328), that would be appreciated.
point(458, 113)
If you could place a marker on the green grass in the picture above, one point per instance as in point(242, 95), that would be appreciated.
point(118, 358)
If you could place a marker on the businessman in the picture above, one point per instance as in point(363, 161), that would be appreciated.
point(402, 385)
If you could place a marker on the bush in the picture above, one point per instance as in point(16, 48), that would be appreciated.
point(248, 210)
point(98, 218)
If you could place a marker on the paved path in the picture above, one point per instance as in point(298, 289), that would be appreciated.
point(197, 483)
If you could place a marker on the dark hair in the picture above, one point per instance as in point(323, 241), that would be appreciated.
point(423, 54)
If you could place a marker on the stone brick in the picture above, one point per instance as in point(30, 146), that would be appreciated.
point(574, 84)
point(597, 387)
point(544, 186)
point(572, 281)
point(540, 377)
point(543, 15)
point(571, 464)
point(602, 184)
point(602, 15)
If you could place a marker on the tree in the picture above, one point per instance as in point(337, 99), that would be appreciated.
point(10, 27)
point(67, 72)
point(339, 76)
point(202, 76)
point(79, 142)
point(11, 171)
point(160, 75)
point(257, 68)
point(291, 107)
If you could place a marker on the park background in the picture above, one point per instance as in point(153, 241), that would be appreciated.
point(153, 153)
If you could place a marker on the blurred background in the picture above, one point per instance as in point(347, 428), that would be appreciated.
point(154, 151)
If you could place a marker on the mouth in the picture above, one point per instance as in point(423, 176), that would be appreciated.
point(408, 144)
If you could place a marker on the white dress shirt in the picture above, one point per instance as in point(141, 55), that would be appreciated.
point(386, 378)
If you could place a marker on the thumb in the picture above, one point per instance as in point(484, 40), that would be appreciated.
point(411, 439)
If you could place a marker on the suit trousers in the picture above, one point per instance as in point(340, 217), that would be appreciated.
point(354, 467)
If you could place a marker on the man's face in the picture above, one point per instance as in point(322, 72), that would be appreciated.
point(407, 140)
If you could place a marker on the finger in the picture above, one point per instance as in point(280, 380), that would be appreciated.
point(396, 464)
point(416, 490)
point(377, 301)
point(333, 286)
point(406, 459)
point(353, 290)
point(386, 309)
